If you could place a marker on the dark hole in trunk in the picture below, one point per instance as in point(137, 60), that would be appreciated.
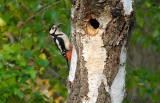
point(94, 23)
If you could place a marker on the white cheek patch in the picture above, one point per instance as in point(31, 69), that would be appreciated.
point(51, 31)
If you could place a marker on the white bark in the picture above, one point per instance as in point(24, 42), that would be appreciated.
point(127, 6)
point(73, 64)
point(95, 55)
point(117, 91)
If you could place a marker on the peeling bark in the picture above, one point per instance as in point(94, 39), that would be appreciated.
point(100, 33)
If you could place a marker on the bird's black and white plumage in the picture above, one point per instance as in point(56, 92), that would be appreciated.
point(61, 41)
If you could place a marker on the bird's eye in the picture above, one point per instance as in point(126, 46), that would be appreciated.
point(52, 27)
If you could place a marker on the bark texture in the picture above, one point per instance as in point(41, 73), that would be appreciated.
point(100, 32)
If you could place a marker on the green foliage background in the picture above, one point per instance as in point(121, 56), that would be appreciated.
point(144, 82)
point(23, 59)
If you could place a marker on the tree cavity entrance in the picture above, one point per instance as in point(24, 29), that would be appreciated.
point(92, 27)
point(94, 23)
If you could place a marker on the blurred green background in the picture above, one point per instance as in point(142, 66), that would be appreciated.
point(30, 62)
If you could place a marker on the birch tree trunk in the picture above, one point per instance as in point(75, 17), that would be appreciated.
point(100, 33)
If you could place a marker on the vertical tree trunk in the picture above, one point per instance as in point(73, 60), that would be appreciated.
point(100, 33)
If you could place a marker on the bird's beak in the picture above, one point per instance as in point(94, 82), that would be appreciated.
point(58, 26)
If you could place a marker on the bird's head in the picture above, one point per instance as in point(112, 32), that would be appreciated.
point(53, 29)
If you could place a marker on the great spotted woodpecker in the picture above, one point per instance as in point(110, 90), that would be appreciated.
point(62, 42)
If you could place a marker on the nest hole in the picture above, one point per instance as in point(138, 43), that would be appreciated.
point(94, 23)
point(92, 27)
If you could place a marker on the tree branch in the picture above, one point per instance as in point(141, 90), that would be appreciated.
point(21, 24)
point(10, 36)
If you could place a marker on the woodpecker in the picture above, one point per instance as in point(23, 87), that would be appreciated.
point(62, 42)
